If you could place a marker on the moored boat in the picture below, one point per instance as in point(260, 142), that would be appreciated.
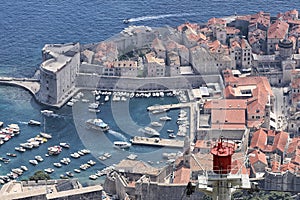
point(24, 168)
point(54, 150)
point(39, 158)
point(49, 170)
point(11, 154)
point(64, 144)
point(157, 124)
point(149, 131)
point(172, 135)
point(20, 149)
point(47, 112)
point(93, 177)
point(27, 145)
point(46, 135)
point(77, 170)
point(57, 165)
point(165, 118)
point(33, 162)
point(5, 160)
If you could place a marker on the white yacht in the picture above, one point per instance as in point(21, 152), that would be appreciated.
point(49, 170)
point(64, 144)
point(47, 113)
point(34, 162)
point(39, 158)
point(94, 105)
point(122, 144)
point(149, 131)
point(106, 98)
point(157, 124)
point(165, 118)
point(46, 135)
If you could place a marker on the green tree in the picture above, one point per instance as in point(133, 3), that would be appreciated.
point(39, 175)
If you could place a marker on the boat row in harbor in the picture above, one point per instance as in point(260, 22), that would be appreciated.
point(13, 174)
point(102, 172)
point(80, 153)
point(8, 132)
point(32, 143)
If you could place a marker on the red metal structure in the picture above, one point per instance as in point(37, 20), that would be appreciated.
point(222, 153)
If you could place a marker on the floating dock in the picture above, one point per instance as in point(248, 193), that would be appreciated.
point(157, 142)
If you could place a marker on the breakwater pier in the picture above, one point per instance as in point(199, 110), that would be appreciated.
point(157, 142)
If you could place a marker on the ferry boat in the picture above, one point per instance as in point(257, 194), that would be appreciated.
point(34, 123)
point(149, 131)
point(122, 144)
point(55, 150)
point(97, 124)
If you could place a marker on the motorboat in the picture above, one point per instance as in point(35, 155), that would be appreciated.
point(107, 155)
point(1, 124)
point(75, 155)
point(21, 149)
point(24, 168)
point(65, 161)
point(149, 131)
point(15, 128)
point(70, 103)
point(165, 118)
point(91, 162)
point(85, 151)
point(57, 165)
point(97, 124)
point(27, 145)
point(34, 123)
point(11, 154)
point(160, 111)
point(46, 135)
point(126, 21)
point(172, 135)
point(156, 124)
point(49, 170)
point(122, 144)
point(64, 144)
point(94, 105)
point(39, 158)
point(69, 174)
point(94, 110)
point(170, 131)
point(106, 98)
point(17, 171)
point(77, 170)
point(132, 156)
point(54, 150)
point(33, 162)
point(5, 160)
point(93, 177)
point(47, 113)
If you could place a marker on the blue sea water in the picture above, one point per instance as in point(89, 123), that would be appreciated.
point(26, 25)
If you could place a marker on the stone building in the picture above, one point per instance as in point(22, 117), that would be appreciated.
point(58, 72)
point(276, 32)
point(125, 68)
point(156, 67)
point(242, 52)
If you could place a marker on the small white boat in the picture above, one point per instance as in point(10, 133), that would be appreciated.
point(94, 110)
point(49, 170)
point(1, 124)
point(91, 162)
point(122, 144)
point(172, 135)
point(97, 124)
point(24, 168)
point(47, 113)
point(77, 170)
point(132, 156)
point(27, 145)
point(57, 165)
point(17, 171)
point(34, 162)
point(94, 105)
point(80, 153)
point(21, 149)
point(93, 177)
point(85, 151)
point(85, 100)
point(75, 155)
point(34, 122)
point(39, 158)
point(46, 135)
point(165, 118)
point(70, 103)
point(102, 158)
point(106, 98)
point(69, 174)
point(170, 131)
point(107, 155)
point(64, 144)
point(54, 150)
point(15, 128)
point(156, 124)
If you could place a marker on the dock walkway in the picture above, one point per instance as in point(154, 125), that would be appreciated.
point(170, 106)
point(157, 142)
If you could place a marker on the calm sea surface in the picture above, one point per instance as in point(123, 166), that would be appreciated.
point(26, 25)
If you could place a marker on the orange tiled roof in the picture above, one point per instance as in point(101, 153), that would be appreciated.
point(214, 21)
point(182, 175)
point(226, 104)
point(259, 139)
point(278, 30)
point(232, 30)
point(258, 156)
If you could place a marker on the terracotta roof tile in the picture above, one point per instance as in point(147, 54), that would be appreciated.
point(182, 175)
point(278, 30)
point(258, 156)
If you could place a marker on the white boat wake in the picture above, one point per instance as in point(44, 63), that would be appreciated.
point(117, 134)
point(145, 18)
